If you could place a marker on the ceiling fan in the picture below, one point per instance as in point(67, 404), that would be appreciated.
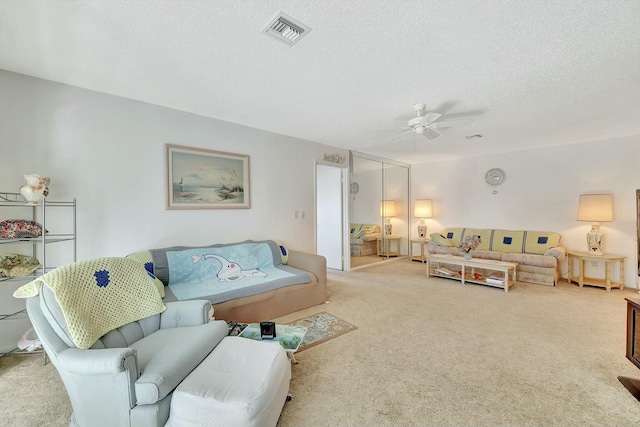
point(425, 123)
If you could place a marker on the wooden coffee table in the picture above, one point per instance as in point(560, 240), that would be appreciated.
point(500, 274)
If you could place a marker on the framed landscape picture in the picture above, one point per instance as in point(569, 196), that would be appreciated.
point(206, 179)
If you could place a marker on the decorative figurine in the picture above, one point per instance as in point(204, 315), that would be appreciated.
point(35, 189)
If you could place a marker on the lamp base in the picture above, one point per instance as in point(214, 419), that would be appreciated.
point(387, 229)
point(594, 241)
point(422, 231)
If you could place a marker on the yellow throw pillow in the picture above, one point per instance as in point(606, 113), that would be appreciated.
point(538, 242)
point(485, 237)
point(454, 234)
point(508, 241)
point(440, 240)
point(284, 252)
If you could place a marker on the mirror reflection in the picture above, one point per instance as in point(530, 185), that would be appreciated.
point(379, 209)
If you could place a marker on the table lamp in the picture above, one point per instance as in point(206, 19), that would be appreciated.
point(387, 210)
point(422, 209)
point(596, 208)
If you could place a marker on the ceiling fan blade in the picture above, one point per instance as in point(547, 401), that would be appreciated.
point(452, 123)
point(430, 118)
point(398, 136)
point(431, 134)
point(415, 121)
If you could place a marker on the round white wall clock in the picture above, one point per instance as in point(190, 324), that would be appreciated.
point(495, 176)
point(355, 188)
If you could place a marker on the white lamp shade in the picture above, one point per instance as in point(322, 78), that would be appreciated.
point(595, 207)
point(423, 208)
point(387, 208)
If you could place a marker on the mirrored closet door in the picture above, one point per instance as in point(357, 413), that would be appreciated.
point(379, 209)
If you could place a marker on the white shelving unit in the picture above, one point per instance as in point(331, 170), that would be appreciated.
point(62, 229)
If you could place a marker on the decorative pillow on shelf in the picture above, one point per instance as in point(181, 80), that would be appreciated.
point(440, 240)
point(19, 229)
point(14, 265)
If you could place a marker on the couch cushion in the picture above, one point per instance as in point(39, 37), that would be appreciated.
point(508, 241)
point(492, 255)
point(453, 233)
point(485, 236)
point(537, 242)
point(440, 240)
point(434, 248)
point(167, 356)
point(530, 259)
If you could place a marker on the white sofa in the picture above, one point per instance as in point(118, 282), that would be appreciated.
point(537, 253)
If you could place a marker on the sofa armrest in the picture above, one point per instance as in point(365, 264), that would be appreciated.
point(312, 263)
point(96, 362)
point(558, 252)
point(185, 313)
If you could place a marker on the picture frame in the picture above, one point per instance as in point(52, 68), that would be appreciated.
point(198, 178)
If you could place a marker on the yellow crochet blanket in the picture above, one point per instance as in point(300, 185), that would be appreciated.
point(99, 295)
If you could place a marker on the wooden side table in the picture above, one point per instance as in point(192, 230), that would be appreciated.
point(422, 242)
point(580, 279)
point(384, 246)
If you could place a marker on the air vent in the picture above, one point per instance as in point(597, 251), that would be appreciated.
point(477, 135)
point(285, 29)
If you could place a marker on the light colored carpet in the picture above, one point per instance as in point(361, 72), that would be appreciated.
point(359, 261)
point(428, 352)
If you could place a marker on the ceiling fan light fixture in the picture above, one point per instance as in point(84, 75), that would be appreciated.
point(425, 123)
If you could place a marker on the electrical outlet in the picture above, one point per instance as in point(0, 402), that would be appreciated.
point(296, 214)
point(302, 214)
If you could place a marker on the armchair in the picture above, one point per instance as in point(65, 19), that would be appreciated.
point(127, 377)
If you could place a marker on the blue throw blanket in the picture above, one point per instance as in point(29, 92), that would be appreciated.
point(224, 272)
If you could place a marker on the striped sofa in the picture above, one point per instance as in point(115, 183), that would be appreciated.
point(537, 253)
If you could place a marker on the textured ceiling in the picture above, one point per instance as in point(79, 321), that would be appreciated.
point(531, 73)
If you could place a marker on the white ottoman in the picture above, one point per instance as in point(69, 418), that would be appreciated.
point(241, 383)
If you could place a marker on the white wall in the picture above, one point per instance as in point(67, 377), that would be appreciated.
point(109, 153)
point(540, 193)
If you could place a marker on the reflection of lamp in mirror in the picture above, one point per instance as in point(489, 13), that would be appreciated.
point(422, 209)
point(596, 208)
point(387, 210)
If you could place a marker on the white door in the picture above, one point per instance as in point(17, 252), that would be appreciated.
point(329, 211)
